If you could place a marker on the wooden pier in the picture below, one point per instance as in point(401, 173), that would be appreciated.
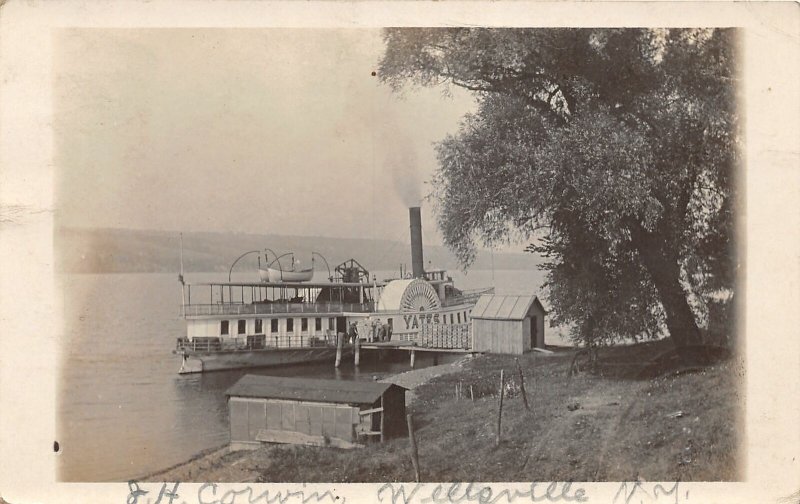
point(412, 348)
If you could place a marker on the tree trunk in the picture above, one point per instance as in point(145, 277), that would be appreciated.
point(661, 262)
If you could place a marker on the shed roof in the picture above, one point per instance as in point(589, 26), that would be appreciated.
point(504, 307)
point(307, 389)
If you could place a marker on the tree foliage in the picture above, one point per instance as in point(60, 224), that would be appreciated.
point(614, 149)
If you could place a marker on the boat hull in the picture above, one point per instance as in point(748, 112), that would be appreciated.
point(202, 362)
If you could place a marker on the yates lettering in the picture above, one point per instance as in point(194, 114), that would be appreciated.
point(413, 320)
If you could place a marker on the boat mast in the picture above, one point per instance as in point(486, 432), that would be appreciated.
point(375, 296)
point(180, 277)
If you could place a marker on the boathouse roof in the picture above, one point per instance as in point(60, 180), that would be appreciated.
point(309, 389)
point(504, 307)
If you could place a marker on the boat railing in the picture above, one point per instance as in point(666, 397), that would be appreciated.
point(440, 336)
point(198, 310)
point(445, 336)
point(255, 342)
point(466, 297)
point(199, 344)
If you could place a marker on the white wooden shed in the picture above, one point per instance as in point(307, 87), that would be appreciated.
point(511, 324)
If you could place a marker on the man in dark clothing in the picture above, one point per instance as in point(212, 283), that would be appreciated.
point(353, 332)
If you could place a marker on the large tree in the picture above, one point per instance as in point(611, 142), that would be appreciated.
point(613, 149)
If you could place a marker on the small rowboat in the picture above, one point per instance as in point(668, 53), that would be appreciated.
point(279, 275)
point(292, 274)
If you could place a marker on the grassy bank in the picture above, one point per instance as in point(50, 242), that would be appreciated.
point(588, 427)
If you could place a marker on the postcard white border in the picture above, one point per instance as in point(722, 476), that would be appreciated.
point(29, 301)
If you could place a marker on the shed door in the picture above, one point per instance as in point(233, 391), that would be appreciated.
point(534, 329)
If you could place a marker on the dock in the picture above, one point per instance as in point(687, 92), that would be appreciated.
point(412, 347)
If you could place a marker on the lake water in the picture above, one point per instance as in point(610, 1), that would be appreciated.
point(123, 411)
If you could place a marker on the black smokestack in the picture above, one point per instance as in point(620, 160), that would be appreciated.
point(417, 264)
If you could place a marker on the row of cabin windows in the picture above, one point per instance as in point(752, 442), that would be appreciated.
point(242, 324)
point(224, 328)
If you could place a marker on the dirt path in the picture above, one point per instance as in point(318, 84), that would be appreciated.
point(577, 437)
point(416, 377)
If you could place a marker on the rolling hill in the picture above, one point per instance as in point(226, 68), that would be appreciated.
point(106, 250)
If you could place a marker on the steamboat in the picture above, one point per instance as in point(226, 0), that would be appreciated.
point(286, 318)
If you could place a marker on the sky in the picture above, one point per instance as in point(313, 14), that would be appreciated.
point(280, 131)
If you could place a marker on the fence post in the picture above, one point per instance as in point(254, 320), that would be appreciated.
point(533, 385)
point(500, 409)
point(414, 454)
point(522, 385)
point(383, 421)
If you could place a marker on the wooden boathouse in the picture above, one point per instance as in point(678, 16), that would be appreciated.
point(337, 413)
point(507, 324)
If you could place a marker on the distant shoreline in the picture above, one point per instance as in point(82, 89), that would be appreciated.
point(81, 250)
point(225, 272)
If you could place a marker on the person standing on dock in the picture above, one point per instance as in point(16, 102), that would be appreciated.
point(353, 332)
point(380, 333)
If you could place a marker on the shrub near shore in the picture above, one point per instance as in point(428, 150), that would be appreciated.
point(586, 427)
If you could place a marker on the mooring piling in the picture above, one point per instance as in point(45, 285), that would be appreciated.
point(339, 344)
